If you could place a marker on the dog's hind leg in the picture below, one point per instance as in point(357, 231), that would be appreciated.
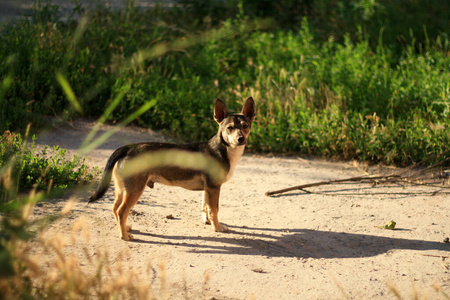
point(131, 195)
point(117, 203)
point(119, 191)
point(212, 201)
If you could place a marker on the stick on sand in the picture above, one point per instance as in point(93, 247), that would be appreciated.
point(359, 178)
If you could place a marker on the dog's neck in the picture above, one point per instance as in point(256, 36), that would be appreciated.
point(228, 153)
point(234, 154)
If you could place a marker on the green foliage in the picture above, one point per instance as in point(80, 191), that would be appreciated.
point(41, 171)
point(24, 169)
point(420, 20)
point(329, 99)
point(347, 81)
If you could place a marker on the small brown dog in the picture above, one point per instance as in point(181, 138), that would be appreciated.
point(226, 148)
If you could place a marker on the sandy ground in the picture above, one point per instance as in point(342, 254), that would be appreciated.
point(319, 245)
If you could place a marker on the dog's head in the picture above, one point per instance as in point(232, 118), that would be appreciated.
point(235, 128)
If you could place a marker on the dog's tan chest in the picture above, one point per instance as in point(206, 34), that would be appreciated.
point(234, 154)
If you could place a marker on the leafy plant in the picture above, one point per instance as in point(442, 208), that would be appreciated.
point(24, 169)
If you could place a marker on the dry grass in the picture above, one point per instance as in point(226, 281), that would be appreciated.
point(45, 268)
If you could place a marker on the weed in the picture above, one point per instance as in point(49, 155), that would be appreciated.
point(25, 169)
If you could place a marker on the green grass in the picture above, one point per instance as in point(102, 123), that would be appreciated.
point(23, 168)
point(360, 86)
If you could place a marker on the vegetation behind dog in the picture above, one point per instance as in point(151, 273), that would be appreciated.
point(345, 89)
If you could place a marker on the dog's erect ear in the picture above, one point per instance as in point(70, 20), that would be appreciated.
point(220, 111)
point(249, 109)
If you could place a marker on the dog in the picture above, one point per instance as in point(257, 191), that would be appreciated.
point(225, 149)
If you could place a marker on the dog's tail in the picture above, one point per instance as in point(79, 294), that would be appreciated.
point(107, 173)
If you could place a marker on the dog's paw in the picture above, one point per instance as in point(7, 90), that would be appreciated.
point(127, 237)
point(221, 228)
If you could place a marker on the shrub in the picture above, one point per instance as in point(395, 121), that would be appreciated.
point(24, 169)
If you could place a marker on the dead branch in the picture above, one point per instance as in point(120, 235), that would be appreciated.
point(408, 175)
point(438, 256)
point(351, 179)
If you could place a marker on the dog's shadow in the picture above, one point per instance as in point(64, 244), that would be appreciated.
point(300, 243)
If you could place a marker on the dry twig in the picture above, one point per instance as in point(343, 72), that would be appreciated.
point(408, 175)
point(359, 178)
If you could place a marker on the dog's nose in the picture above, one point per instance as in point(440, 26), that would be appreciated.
point(241, 139)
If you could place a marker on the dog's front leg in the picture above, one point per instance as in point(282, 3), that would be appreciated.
point(211, 198)
point(205, 210)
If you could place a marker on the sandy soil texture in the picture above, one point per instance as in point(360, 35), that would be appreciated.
point(319, 245)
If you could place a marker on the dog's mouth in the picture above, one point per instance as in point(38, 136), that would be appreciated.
point(237, 143)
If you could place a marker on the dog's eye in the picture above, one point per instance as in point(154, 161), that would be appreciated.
point(245, 126)
point(229, 128)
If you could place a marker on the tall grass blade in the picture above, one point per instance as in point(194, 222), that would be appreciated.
point(101, 139)
point(69, 92)
point(106, 114)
